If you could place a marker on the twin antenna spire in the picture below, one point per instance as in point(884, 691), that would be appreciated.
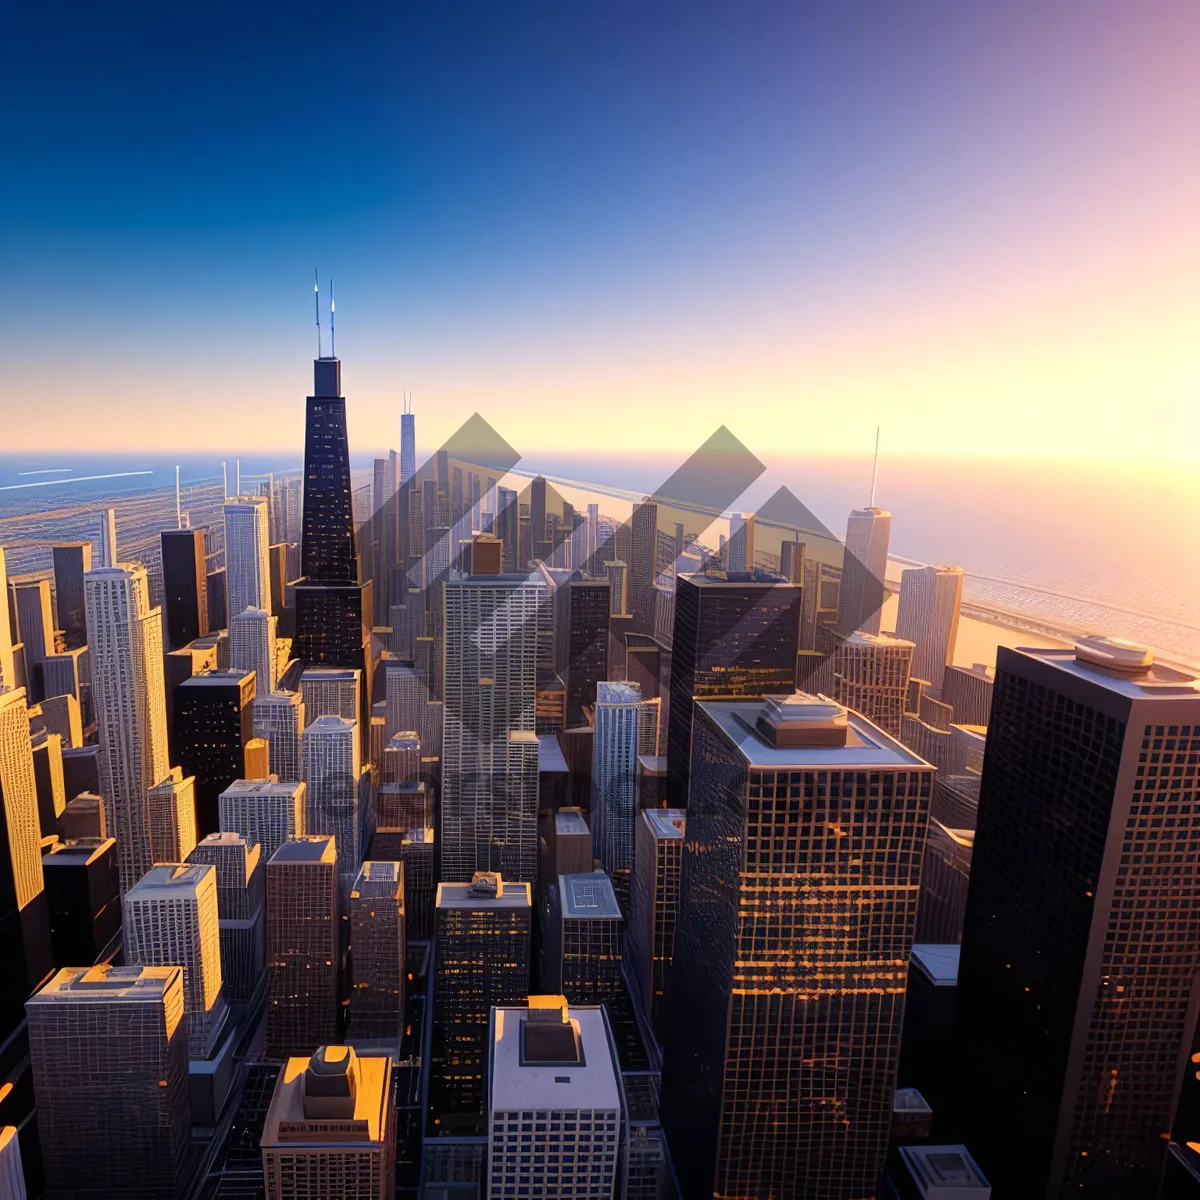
point(407, 402)
point(875, 469)
point(332, 317)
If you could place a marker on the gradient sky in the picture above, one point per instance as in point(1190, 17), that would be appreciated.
point(975, 223)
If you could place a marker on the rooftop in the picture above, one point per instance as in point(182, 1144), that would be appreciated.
point(262, 787)
point(108, 983)
point(756, 578)
point(550, 755)
point(337, 1073)
point(168, 879)
point(608, 692)
point(866, 745)
point(1150, 681)
point(937, 962)
point(517, 1083)
point(331, 724)
point(947, 1172)
point(77, 852)
point(374, 873)
point(316, 849)
point(214, 679)
point(652, 764)
point(665, 822)
point(571, 821)
point(588, 896)
point(460, 895)
point(331, 674)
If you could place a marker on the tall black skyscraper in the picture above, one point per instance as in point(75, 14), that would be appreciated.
point(71, 561)
point(736, 638)
point(331, 608)
point(185, 585)
point(1077, 982)
point(213, 721)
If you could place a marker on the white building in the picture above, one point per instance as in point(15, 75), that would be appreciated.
point(266, 811)
point(247, 555)
point(334, 774)
point(864, 565)
point(556, 1108)
point(125, 644)
point(614, 774)
point(279, 720)
point(930, 598)
point(171, 919)
point(252, 647)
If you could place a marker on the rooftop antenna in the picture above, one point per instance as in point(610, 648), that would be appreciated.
point(875, 469)
point(317, 307)
point(332, 324)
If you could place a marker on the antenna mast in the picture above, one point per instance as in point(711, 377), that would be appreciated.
point(178, 514)
point(875, 468)
point(332, 324)
point(317, 309)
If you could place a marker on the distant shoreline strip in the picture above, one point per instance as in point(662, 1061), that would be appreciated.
point(10, 487)
point(48, 471)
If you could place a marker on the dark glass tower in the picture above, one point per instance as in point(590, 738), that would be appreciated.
point(185, 585)
point(72, 560)
point(214, 720)
point(736, 638)
point(332, 610)
point(1077, 982)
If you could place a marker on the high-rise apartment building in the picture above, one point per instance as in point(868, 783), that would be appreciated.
point(185, 585)
point(333, 617)
point(330, 1130)
point(930, 598)
point(654, 907)
point(170, 918)
point(377, 935)
point(125, 642)
point(864, 565)
point(969, 693)
point(556, 1105)
point(241, 910)
point(214, 722)
point(109, 1051)
point(735, 638)
point(302, 946)
point(402, 757)
point(266, 812)
point(489, 747)
point(799, 881)
point(870, 674)
point(1078, 953)
point(614, 774)
point(252, 647)
point(72, 561)
point(247, 555)
point(334, 776)
point(483, 959)
point(171, 815)
point(331, 692)
point(279, 720)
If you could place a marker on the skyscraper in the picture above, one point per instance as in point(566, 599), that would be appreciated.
point(654, 907)
point(377, 935)
point(1079, 952)
point(331, 692)
point(185, 585)
point(12, 1171)
point(279, 719)
point(241, 910)
point(171, 917)
point(489, 747)
point(798, 900)
point(302, 946)
point(214, 721)
point(266, 812)
point(8, 678)
point(171, 816)
point(72, 561)
point(252, 647)
point(408, 446)
point(643, 564)
point(614, 774)
point(483, 959)
point(581, 607)
point(330, 1130)
point(741, 542)
point(333, 773)
point(864, 565)
point(332, 617)
point(968, 692)
point(587, 939)
point(870, 674)
point(125, 640)
point(735, 638)
point(247, 555)
point(928, 616)
point(83, 895)
point(35, 619)
point(109, 1052)
point(553, 1066)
